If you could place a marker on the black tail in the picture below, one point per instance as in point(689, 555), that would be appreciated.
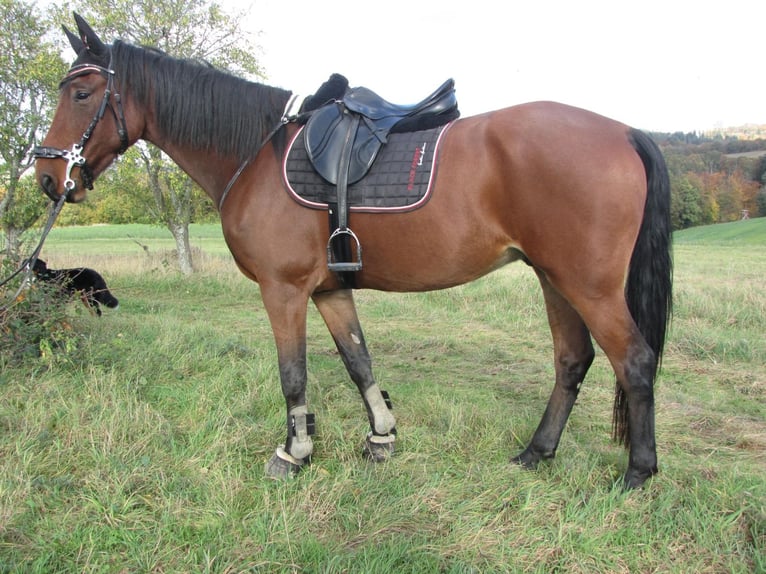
point(104, 297)
point(650, 278)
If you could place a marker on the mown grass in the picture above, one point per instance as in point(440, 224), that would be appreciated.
point(749, 233)
point(144, 450)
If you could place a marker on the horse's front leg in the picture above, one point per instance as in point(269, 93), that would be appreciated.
point(339, 313)
point(286, 308)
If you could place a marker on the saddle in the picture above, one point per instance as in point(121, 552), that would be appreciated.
point(343, 138)
point(361, 120)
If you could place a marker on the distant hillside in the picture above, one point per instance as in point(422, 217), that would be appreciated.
point(750, 154)
point(746, 132)
point(746, 232)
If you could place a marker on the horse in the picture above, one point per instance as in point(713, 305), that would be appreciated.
point(582, 199)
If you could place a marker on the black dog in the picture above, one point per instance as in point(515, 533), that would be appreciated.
point(83, 281)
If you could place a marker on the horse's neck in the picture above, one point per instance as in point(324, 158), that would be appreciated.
point(208, 169)
point(212, 167)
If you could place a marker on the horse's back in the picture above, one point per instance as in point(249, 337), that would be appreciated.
point(546, 181)
point(553, 172)
point(548, 138)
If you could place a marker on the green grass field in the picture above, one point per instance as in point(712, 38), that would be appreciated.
point(142, 449)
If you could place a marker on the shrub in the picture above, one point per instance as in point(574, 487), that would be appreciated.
point(34, 323)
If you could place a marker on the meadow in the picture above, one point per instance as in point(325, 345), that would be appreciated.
point(141, 447)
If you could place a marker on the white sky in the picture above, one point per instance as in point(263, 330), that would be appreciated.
point(663, 65)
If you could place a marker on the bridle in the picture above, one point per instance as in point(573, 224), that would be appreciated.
point(74, 156)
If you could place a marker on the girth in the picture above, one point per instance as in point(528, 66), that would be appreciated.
point(343, 139)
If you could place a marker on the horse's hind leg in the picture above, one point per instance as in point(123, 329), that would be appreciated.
point(635, 365)
point(339, 313)
point(613, 328)
point(573, 355)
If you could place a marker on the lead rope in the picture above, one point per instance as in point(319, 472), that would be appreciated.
point(245, 163)
point(28, 264)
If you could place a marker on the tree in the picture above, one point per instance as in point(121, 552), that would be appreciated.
point(30, 69)
point(730, 197)
point(685, 204)
point(708, 185)
point(197, 29)
point(760, 201)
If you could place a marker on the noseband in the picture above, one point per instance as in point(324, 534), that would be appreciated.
point(74, 156)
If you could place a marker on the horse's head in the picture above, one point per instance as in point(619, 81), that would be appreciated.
point(83, 140)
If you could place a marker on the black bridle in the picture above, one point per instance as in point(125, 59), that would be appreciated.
point(74, 156)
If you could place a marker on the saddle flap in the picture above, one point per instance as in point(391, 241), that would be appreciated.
point(326, 132)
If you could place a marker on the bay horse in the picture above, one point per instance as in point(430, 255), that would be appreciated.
point(582, 199)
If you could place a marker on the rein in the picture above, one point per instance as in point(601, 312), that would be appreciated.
point(290, 114)
point(29, 263)
point(245, 163)
point(74, 156)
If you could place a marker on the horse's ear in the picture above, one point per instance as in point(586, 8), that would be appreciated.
point(74, 40)
point(89, 38)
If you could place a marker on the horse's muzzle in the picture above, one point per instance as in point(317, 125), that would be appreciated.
point(74, 158)
point(49, 186)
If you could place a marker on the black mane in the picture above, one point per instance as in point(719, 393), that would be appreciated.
point(197, 104)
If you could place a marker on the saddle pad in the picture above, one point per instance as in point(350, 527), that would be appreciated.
point(400, 179)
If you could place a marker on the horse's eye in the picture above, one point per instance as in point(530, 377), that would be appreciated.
point(81, 95)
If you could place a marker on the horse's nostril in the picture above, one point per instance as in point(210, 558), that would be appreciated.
point(49, 186)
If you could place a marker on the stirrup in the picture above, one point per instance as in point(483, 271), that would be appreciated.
point(342, 266)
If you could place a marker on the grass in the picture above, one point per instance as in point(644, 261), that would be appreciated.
point(144, 451)
point(747, 234)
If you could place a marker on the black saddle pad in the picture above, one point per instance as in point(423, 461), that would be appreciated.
point(400, 179)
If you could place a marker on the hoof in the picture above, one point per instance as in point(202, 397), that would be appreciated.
point(282, 466)
point(634, 479)
point(524, 463)
point(378, 448)
point(530, 459)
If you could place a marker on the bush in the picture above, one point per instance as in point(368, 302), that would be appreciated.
point(35, 323)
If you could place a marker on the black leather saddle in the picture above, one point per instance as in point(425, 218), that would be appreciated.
point(358, 124)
